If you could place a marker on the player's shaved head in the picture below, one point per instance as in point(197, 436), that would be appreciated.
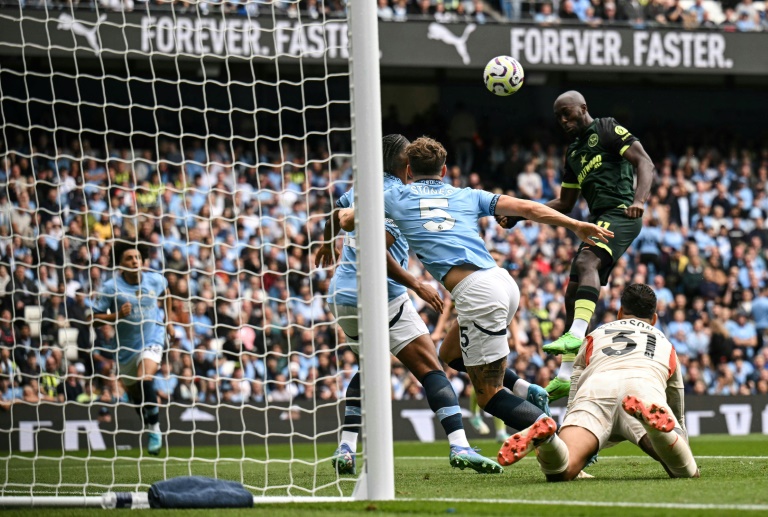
point(570, 98)
point(638, 300)
point(571, 112)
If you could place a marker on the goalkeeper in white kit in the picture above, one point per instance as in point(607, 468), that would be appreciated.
point(626, 385)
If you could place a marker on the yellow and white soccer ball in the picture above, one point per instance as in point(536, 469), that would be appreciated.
point(503, 75)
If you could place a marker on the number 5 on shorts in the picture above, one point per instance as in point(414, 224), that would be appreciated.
point(464, 338)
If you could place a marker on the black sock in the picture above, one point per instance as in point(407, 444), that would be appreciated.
point(510, 378)
point(442, 400)
point(151, 412)
point(353, 415)
point(514, 411)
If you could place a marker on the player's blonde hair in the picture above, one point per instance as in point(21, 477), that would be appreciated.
point(426, 156)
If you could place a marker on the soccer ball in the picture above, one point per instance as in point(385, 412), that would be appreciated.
point(503, 75)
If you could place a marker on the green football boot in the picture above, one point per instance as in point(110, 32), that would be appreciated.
point(558, 388)
point(565, 344)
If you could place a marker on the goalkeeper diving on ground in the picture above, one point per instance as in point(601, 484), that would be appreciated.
point(626, 385)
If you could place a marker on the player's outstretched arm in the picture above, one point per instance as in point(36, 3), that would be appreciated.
point(514, 207)
point(643, 164)
point(326, 254)
point(563, 204)
point(397, 273)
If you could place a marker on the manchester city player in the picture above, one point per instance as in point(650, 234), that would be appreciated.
point(600, 164)
point(409, 339)
point(441, 225)
point(129, 301)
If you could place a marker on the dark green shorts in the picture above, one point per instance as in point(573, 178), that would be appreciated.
point(625, 231)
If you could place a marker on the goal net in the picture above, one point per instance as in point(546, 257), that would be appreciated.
point(218, 136)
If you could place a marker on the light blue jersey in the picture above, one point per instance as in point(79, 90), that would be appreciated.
point(343, 288)
point(440, 223)
point(143, 327)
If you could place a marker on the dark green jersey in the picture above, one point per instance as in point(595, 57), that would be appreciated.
point(594, 163)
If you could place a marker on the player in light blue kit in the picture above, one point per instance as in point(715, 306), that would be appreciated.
point(129, 301)
point(409, 338)
point(441, 225)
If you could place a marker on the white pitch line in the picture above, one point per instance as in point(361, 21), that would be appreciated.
point(623, 504)
point(602, 458)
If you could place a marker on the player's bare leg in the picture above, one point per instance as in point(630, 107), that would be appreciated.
point(420, 357)
point(150, 411)
point(665, 435)
point(580, 446)
point(450, 354)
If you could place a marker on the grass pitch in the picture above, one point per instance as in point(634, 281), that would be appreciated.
point(734, 479)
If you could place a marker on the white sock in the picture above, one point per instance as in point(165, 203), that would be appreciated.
point(152, 428)
point(552, 456)
point(566, 370)
point(458, 438)
point(674, 451)
point(579, 328)
point(350, 439)
point(521, 388)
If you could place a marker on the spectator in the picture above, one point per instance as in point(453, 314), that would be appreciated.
point(610, 14)
point(567, 12)
point(743, 334)
point(72, 387)
point(529, 182)
point(384, 11)
point(546, 16)
point(165, 383)
point(698, 10)
point(746, 23)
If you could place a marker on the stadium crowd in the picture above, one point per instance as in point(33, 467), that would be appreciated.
point(235, 234)
point(727, 15)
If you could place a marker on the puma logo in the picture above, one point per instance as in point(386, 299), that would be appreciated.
point(441, 33)
point(68, 23)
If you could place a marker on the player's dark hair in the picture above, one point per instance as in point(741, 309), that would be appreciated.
point(639, 300)
point(120, 247)
point(393, 146)
point(426, 156)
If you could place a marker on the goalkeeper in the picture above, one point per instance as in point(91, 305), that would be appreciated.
point(129, 301)
point(626, 385)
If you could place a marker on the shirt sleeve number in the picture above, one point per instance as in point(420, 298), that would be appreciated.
point(433, 209)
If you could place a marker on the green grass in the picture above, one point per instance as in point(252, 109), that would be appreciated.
point(423, 477)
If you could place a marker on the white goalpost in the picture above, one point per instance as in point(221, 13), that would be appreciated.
point(218, 137)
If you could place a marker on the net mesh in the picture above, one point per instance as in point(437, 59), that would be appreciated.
point(218, 136)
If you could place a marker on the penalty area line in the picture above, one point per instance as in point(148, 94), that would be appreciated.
point(614, 504)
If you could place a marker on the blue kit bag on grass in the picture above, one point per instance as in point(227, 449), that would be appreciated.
point(199, 492)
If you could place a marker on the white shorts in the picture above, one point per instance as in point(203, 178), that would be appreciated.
point(128, 371)
point(405, 324)
point(597, 407)
point(486, 302)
